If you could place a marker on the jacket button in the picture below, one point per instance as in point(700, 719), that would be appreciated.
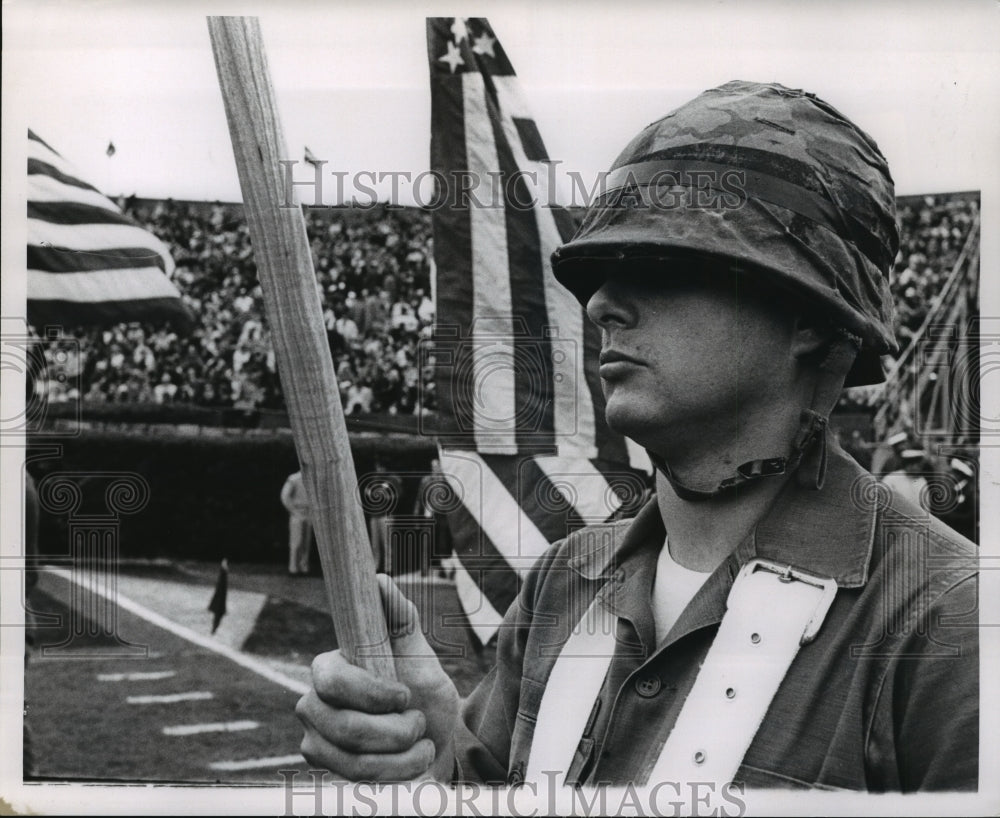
point(648, 686)
point(516, 776)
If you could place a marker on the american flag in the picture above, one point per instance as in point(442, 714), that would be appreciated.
point(523, 440)
point(88, 263)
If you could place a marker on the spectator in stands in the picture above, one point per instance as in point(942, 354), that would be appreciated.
point(166, 389)
point(359, 399)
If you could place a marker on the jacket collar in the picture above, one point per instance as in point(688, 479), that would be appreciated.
point(829, 532)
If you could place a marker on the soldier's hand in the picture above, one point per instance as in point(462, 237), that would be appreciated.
point(363, 728)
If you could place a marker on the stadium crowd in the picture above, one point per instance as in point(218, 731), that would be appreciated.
point(933, 230)
point(373, 270)
point(373, 278)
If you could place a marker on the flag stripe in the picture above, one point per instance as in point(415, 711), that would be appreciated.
point(608, 445)
point(50, 189)
point(74, 213)
point(478, 556)
point(493, 377)
point(103, 238)
point(535, 425)
point(538, 497)
point(41, 152)
point(38, 167)
point(119, 285)
point(573, 417)
point(556, 495)
point(531, 139)
point(452, 244)
point(56, 260)
point(580, 427)
point(495, 509)
point(36, 138)
point(483, 618)
point(60, 312)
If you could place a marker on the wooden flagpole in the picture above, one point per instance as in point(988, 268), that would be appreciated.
point(284, 265)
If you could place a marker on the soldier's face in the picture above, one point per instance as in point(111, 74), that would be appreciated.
point(688, 358)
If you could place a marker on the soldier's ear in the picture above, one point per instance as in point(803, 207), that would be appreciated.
point(811, 337)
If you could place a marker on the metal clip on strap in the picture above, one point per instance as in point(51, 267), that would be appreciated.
point(787, 574)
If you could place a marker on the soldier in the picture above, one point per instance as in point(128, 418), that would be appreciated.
point(735, 629)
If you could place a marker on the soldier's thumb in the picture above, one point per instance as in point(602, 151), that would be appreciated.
point(402, 621)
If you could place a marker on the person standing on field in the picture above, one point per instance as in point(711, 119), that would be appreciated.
point(300, 530)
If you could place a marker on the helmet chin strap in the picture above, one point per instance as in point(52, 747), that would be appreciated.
point(805, 456)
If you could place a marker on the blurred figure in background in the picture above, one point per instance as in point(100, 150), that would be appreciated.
point(293, 498)
point(385, 491)
point(434, 497)
point(909, 481)
point(963, 516)
point(888, 457)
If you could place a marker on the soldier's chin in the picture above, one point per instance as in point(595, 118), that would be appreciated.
point(627, 416)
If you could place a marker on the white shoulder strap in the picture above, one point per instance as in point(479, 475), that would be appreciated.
point(570, 693)
point(772, 610)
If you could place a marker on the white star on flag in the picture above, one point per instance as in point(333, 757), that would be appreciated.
point(484, 45)
point(458, 30)
point(453, 57)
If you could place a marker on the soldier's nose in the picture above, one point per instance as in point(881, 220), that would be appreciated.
point(610, 306)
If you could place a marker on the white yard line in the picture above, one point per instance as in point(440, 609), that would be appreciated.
point(185, 604)
point(135, 677)
point(206, 642)
point(171, 698)
point(85, 657)
point(256, 763)
point(210, 727)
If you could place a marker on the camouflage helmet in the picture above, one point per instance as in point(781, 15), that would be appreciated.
point(768, 180)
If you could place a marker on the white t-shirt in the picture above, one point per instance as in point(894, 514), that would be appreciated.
point(673, 588)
